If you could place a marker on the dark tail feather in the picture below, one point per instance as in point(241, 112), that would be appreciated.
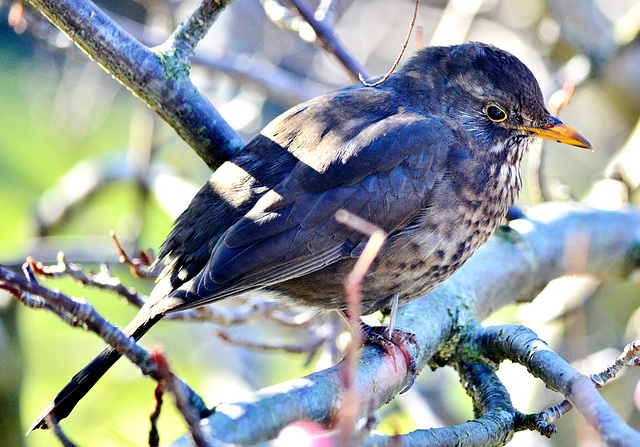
point(66, 400)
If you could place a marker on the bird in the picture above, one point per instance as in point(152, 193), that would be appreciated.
point(431, 155)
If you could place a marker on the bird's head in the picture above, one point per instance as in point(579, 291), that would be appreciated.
point(490, 93)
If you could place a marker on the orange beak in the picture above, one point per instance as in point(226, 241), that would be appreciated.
point(558, 131)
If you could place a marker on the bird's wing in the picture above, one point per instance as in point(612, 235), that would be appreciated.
point(384, 175)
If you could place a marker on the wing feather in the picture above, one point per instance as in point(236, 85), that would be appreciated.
point(291, 230)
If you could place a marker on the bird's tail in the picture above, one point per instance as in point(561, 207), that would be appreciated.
point(66, 400)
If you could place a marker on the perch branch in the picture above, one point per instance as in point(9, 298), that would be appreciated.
point(534, 249)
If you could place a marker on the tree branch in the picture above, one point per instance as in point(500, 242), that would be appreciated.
point(522, 345)
point(188, 34)
point(529, 256)
point(158, 76)
point(329, 40)
point(79, 313)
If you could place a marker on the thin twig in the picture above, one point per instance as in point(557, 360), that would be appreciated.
point(286, 317)
point(154, 434)
point(182, 400)
point(542, 421)
point(103, 280)
point(629, 357)
point(136, 266)
point(51, 422)
point(353, 292)
point(35, 302)
point(309, 346)
point(404, 47)
point(84, 315)
point(250, 311)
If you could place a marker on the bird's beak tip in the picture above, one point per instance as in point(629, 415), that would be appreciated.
point(562, 133)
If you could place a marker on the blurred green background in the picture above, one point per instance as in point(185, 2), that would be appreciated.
point(66, 125)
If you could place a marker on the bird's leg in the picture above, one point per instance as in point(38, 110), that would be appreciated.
point(392, 314)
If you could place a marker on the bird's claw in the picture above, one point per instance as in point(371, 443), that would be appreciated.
point(387, 339)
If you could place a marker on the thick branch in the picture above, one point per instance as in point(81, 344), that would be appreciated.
point(494, 423)
point(512, 265)
point(522, 345)
point(158, 77)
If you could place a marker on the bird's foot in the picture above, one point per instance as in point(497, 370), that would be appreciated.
point(387, 339)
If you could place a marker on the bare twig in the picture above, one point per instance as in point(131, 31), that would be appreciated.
point(51, 422)
point(561, 98)
point(542, 421)
point(84, 315)
point(536, 422)
point(181, 399)
point(34, 301)
point(404, 47)
point(138, 267)
point(285, 317)
point(353, 292)
point(629, 357)
point(282, 84)
point(247, 312)
point(154, 434)
point(103, 280)
point(309, 346)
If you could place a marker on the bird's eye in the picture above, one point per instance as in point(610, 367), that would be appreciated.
point(495, 113)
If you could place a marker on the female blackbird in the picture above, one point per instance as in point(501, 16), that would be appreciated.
point(432, 156)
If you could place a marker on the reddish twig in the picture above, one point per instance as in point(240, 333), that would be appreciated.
point(154, 434)
point(353, 292)
point(561, 98)
point(137, 266)
point(182, 400)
